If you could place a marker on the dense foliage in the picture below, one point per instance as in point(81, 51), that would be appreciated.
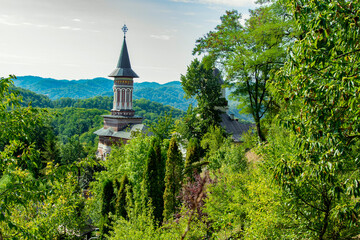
point(318, 89)
point(30, 184)
point(248, 53)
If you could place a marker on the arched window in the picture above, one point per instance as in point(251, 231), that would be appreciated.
point(128, 98)
point(118, 97)
point(123, 97)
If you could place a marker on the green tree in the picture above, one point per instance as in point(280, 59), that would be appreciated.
point(72, 151)
point(249, 53)
point(188, 125)
point(164, 127)
point(173, 180)
point(121, 205)
point(318, 89)
point(193, 154)
point(154, 179)
point(27, 125)
point(107, 207)
point(27, 199)
point(129, 160)
point(51, 149)
point(204, 84)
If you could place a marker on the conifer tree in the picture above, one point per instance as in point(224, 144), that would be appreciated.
point(173, 179)
point(160, 171)
point(120, 206)
point(193, 155)
point(51, 150)
point(154, 179)
point(107, 206)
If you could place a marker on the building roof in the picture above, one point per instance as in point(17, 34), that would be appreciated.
point(235, 128)
point(123, 68)
point(126, 133)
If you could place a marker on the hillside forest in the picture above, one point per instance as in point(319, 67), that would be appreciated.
point(292, 65)
point(170, 93)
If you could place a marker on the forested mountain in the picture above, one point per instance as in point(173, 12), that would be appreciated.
point(36, 100)
point(170, 93)
point(82, 117)
point(148, 109)
point(55, 89)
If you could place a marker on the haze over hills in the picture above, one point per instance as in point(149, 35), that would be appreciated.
point(170, 93)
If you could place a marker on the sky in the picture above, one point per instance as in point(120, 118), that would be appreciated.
point(81, 39)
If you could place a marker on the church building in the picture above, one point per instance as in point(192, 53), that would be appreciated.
point(122, 123)
point(120, 126)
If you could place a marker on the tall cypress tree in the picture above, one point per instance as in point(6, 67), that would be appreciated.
point(193, 154)
point(173, 179)
point(120, 205)
point(154, 179)
point(107, 206)
point(161, 176)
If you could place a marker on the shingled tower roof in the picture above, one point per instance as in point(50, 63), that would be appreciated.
point(123, 68)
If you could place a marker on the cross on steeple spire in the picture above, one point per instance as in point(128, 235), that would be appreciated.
point(125, 29)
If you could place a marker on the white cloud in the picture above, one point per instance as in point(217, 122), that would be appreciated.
point(230, 3)
point(69, 28)
point(5, 21)
point(161, 37)
point(76, 20)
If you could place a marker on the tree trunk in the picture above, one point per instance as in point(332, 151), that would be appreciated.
point(326, 218)
point(259, 132)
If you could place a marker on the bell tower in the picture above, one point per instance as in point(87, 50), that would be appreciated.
point(123, 83)
point(122, 123)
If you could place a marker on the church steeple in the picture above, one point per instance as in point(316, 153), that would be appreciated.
point(123, 83)
point(122, 123)
point(123, 68)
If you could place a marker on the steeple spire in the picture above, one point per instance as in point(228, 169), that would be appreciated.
point(123, 68)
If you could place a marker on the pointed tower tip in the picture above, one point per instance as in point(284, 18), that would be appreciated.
point(123, 68)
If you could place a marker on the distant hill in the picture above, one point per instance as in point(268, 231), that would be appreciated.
point(36, 100)
point(170, 93)
point(83, 116)
point(150, 110)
